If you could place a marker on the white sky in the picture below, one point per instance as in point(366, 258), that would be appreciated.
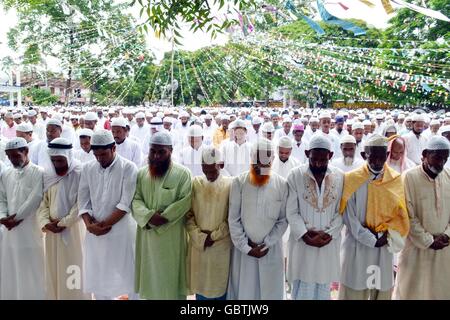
point(376, 17)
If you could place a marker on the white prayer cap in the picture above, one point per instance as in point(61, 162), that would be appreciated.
point(60, 147)
point(348, 139)
point(268, 127)
point(24, 127)
point(156, 122)
point(263, 144)
point(102, 138)
point(444, 129)
point(256, 120)
point(435, 122)
point(379, 116)
point(376, 140)
point(225, 117)
point(208, 116)
point(74, 116)
point(140, 115)
point(32, 113)
point(239, 123)
point(438, 143)
point(161, 138)
point(158, 114)
point(324, 115)
point(361, 117)
point(85, 133)
point(119, 122)
point(211, 155)
point(367, 123)
point(401, 116)
point(350, 122)
point(54, 122)
point(58, 116)
point(315, 120)
point(43, 110)
point(90, 116)
point(287, 119)
point(357, 125)
point(418, 117)
point(168, 119)
point(184, 114)
point(17, 115)
point(195, 131)
point(319, 141)
point(16, 143)
point(285, 142)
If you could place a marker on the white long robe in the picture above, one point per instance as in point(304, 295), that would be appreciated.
point(339, 163)
point(310, 207)
point(284, 168)
point(130, 150)
point(236, 157)
point(415, 146)
point(108, 260)
point(40, 155)
point(22, 254)
point(258, 214)
point(298, 151)
point(83, 156)
point(192, 159)
point(359, 256)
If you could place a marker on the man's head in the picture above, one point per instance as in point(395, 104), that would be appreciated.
point(74, 120)
point(240, 131)
point(314, 124)
point(376, 153)
point(348, 147)
point(85, 139)
point(103, 147)
point(208, 120)
point(262, 157)
point(397, 151)
point(225, 122)
point(418, 123)
point(195, 136)
point(32, 116)
point(184, 117)
point(298, 132)
point(140, 119)
point(319, 154)
point(17, 118)
point(60, 152)
point(287, 124)
point(445, 132)
point(211, 163)
point(119, 129)
point(284, 148)
point(90, 120)
point(256, 123)
point(367, 127)
point(25, 130)
point(389, 131)
point(339, 123)
point(436, 154)
point(9, 119)
point(358, 131)
point(17, 151)
point(434, 125)
point(160, 154)
point(325, 122)
point(268, 130)
point(167, 123)
point(44, 114)
point(54, 129)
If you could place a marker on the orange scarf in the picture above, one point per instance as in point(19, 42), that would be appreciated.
point(386, 205)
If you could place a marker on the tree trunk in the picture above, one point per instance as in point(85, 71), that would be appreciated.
point(69, 74)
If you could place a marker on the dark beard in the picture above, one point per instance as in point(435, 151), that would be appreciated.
point(158, 169)
point(416, 133)
point(320, 170)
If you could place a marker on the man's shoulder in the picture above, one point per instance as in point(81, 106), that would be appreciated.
point(180, 169)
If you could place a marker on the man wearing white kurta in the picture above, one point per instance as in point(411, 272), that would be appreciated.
point(191, 156)
point(25, 130)
point(141, 129)
point(22, 256)
point(58, 218)
point(348, 161)
point(236, 153)
point(257, 222)
point(300, 144)
point(313, 214)
point(84, 154)
point(40, 155)
point(125, 147)
point(415, 141)
point(106, 190)
point(284, 162)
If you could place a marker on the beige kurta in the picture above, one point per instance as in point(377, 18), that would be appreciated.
point(423, 272)
point(208, 268)
point(63, 262)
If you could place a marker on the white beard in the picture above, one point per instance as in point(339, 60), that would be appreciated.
point(348, 161)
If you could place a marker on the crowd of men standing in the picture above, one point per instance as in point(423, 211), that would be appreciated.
point(250, 203)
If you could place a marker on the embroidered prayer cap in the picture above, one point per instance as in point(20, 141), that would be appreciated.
point(140, 115)
point(438, 143)
point(376, 140)
point(119, 122)
point(256, 120)
point(211, 155)
point(54, 122)
point(285, 142)
point(357, 125)
point(24, 127)
point(319, 141)
point(239, 123)
point(16, 143)
point(161, 138)
point(348, 139)
point(90, 116)
point(102, 138)
point(195, 131)
point(85, 133)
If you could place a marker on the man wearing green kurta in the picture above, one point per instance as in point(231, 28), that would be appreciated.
point(161, 201)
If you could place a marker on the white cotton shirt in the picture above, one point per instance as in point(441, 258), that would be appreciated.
point(415, 146)
point(284, 168)
point(192, 159)
point(236, 157)
point(109, 259)
point(130, 150)
point(339, 163)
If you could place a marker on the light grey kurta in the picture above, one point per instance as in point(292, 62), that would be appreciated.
point(359, 256)
point(259, 214)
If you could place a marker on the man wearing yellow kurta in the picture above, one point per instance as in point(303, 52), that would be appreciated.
point(221, 133)
point(161, 201)
point(424, 262)
point(58, 218)
point(374, 212)
point(209, 236)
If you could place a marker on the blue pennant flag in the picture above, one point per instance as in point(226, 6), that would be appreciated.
point(346, 25)
point(314, 25)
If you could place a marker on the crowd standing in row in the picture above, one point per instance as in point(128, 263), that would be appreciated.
point(251, 203)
